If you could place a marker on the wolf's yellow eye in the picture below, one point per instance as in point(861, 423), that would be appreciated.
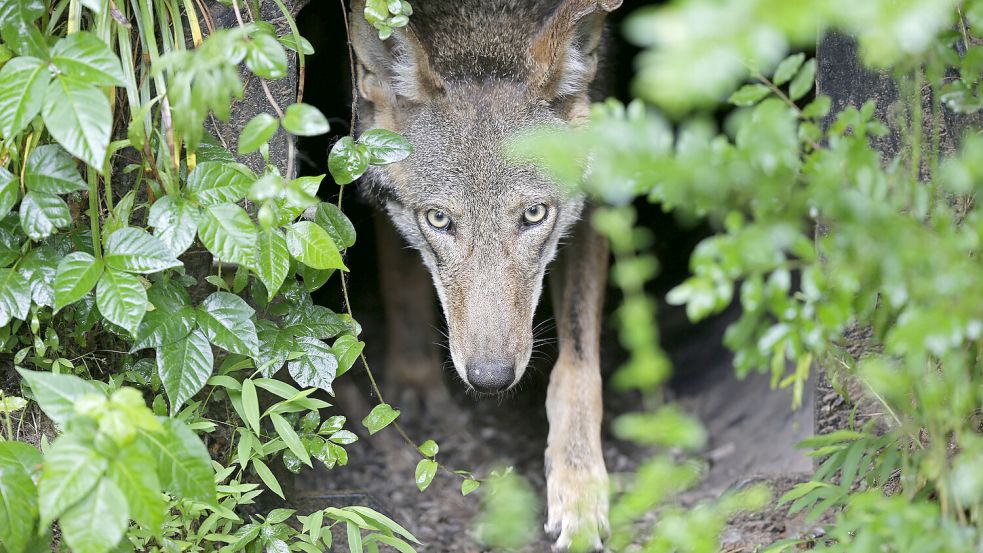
point(438, 219)
point(534, 214)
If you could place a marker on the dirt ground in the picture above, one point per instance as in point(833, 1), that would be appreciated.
point(752, 435)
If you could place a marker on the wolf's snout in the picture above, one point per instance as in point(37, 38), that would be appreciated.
point(491, 376)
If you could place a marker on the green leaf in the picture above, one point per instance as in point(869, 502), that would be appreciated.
point(41, 214)
point(304, 120)
point(257, 132)
point(312, 246)
point(384, 147)
point(354, 538)
point(51, 170)
point(290, 437)
point(183, 464)
point(266, 475)
point(803, 81)
point(85, 57)
point(380, 417)
point(39, 267)
point(71, 471)
point(339, 227)
point(134, 470)
point(9, 191)
point(122, 299)
point(15, 296)
point(429, 448)
point(97, 523)
point(78, 273)
point(56, 394)
point(137, 251)
point(346, 350)
point(425, 471)
point(347, 161)
point(163, 326)
point(175, 223)
point(216, 182)
point(18, 29)
point(382, 522)
point(229, 233)
point(818, 108)
point(788, 68)
point(266, 57)
point(18, 495)
point(316, 368)
point(275, 346)
point(77, 115)
point(749, 94)
point(288, 41)
point(469, 486)
point(184, 367)
point(272, 260)
point(226, 320)
point(250, 404)
point(23, 83)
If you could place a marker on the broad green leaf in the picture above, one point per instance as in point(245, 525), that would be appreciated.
point(229, 233)
point(340, 228)
point(272, 260)
point(184, 367)
point(71, 470)
point(17, 27)
point(18, 495)
point(382, 522)
point(354, 538)
point(85, 57)
point(290, 437)
point(347, 161)
point(250, 404)
point(380, 417)
point(257, 132)
point(56, 394)
point(164, 326)
point(175, 223)
point(384, 147)
point(121, 299)
point(9, 192)
point(316, 368)
point(23, 83)
point(749, 94)
point(803, 81)
point(305, 45)
point(215, 182)
point(304, 120)
point(275, 346)
point(425, 471)
point(77, 115)
point(319, 322)
point(135, 250)
point(346, 349)
point(788, 68)
point(226, 320)
point(39, 267)
point(312, 246)
point(51, 170)
point(41, 214)
point(183, 464)
point(266, 57)
point(469, 486)
point(135, 472)
point(97, 523)
point(266, 475)
point(429, 448)
point(12, 404)
point(78, 273)
point(15, 296)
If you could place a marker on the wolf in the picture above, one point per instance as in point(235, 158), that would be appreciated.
point(459, 82)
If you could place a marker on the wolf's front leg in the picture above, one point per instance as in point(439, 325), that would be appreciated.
point(576, 478)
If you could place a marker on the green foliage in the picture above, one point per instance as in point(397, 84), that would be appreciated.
point(107, 209)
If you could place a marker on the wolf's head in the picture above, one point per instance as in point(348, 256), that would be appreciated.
point(463, 78)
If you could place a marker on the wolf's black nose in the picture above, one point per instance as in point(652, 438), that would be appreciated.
point(491, 376)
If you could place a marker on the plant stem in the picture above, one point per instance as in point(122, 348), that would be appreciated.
point(94, 211)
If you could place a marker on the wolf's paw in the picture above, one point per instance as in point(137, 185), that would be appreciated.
point(578, 509)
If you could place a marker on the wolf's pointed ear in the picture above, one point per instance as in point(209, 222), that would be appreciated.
point(564, 52)
point(388, 70)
